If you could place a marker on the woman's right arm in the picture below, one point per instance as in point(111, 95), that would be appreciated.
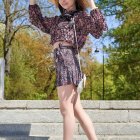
point(36, 18)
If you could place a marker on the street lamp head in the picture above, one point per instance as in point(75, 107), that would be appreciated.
point(96, 51)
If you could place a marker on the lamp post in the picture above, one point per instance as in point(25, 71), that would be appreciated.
point(103, 76)
point(96, 51)
point(114, 52)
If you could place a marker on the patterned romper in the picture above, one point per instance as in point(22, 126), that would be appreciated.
point(65, 57)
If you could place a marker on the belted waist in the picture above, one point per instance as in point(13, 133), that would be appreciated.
point(61, 46)
point(64, 46)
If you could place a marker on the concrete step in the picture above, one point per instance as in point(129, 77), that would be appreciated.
point(76, 137)
point(53, 115)
point(44, 129)
point(87, 104)
point(41, 120)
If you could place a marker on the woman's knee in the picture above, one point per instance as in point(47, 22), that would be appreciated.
point(66, 98)
point(66, 108)
point(77, 104)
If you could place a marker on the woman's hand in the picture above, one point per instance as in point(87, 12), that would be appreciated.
point(92, 3)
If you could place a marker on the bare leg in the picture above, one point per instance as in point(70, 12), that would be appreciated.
point(66, 96)
point(83, 118)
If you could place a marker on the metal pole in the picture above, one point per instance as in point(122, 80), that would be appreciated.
point(103, 73)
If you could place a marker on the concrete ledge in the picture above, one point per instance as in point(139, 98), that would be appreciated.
point(87, 104)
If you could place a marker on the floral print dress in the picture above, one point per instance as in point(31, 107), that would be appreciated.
point(65, 57)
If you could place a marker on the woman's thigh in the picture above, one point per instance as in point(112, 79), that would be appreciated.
point(66, 93)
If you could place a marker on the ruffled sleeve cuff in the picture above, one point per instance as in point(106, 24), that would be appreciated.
point(99, 19)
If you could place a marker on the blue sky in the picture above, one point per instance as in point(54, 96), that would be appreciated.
point(111, 22)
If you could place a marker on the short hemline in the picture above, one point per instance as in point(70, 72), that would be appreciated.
point(67, 84)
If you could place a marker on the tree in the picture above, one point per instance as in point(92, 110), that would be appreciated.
point(14, 17)
point(124, 58)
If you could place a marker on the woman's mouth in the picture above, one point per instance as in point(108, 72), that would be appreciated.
point(64, 4)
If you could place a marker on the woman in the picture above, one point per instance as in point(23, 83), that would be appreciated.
point(68, 72)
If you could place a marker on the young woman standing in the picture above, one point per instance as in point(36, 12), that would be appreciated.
point(66, 63)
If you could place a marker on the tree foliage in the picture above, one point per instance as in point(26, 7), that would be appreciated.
point(124, 51)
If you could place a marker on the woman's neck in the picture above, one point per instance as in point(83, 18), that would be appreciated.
point(73, 8)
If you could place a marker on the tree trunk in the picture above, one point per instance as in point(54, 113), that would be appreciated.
point(7, 42)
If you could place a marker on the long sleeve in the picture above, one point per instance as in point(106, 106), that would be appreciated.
point(36, 18)
point(96, 23)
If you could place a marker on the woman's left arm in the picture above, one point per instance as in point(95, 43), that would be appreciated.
point(96, 23)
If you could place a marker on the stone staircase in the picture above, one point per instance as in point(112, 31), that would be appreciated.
point(41, 120)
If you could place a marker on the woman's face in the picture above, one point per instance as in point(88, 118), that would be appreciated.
point(67, 4)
